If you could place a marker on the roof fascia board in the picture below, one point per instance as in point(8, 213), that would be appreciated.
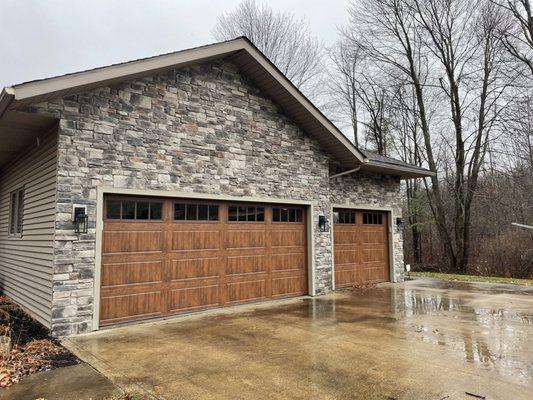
point(50, 85)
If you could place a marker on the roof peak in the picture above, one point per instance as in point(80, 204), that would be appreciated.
point(250, 60)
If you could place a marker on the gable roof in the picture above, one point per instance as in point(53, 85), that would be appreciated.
point(239, 51)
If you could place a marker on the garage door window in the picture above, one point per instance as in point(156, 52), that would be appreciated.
point(286, 214)
point(246, 214)
point(372, 218)
point(134, 210)
point(344, 217)
point(195, 212)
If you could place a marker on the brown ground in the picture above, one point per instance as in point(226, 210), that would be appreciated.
point(34, 350)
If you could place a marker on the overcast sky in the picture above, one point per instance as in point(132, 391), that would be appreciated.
point(43, 38)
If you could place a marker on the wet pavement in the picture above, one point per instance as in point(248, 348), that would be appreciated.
point(423, 339)
point(79, 382)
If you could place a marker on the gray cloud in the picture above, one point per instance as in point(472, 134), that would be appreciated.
point(52, 37)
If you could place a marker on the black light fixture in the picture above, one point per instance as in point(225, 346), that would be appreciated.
point(399, 223)
point(322, 222)
point(81, 220)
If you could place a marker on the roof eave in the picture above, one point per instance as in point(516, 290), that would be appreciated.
point(6, 97)
point(398, 170)
point(123, 70)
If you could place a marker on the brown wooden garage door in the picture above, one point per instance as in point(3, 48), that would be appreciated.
point(360, 247)
point(165, 256)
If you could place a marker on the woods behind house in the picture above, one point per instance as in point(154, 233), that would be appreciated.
point(444, 84)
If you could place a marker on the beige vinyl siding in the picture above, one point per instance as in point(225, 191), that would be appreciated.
point(26, 262)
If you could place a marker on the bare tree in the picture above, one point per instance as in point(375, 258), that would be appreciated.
point(346, 57)
point(461, 34)
point(517, 37)
point(285, 40)
point(408, 146)
point(448, 52)
point(392, 37)
point(376, 101)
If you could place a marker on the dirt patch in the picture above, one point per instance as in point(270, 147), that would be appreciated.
point(33, 349)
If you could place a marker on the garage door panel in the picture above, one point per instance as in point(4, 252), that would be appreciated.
point(288, 262)
point(192, 259)
point(373, 255)
point(196, 240)
point(134, 288)
point(113, 309)
point(344, 237)
point(133, 241)
point(345, 256)
point(194, 297)
point(247, 264)
point(195, 268)
point(117, 274)
point(373, 274)
point(288, 238)
point(246, 239)
point(290, 285)
point(346, 277)
point(371, 237)
point(246, 290)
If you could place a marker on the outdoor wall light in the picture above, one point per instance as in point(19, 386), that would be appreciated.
point(322, 223)
point(80, 219)
point(399, 223)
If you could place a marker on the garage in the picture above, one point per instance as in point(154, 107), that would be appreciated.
point(165, 256)
point(361, 249)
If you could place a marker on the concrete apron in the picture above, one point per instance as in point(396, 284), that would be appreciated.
point(423, 339)
point(80, 382)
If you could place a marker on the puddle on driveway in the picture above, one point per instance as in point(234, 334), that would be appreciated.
point(490, 327)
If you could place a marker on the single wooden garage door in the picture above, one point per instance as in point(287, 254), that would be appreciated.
point(165, 256)
point(361, 247)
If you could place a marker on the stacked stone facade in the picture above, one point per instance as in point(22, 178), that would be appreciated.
point(203, 129)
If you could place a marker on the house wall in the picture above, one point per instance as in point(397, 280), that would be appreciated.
point(26, 262)
point(202, 129)
point(376, 191)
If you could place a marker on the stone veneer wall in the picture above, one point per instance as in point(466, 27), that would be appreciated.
point(202, 129)
point(375, 190)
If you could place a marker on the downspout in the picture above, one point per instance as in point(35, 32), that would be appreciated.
point(6, 97)
point(350, 171)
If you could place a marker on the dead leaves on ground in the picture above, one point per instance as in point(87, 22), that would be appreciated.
point(363, 286)
point(23, 360)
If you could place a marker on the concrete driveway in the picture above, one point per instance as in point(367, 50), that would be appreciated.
point(424, 339)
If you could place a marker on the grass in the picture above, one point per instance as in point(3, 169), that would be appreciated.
point(472, 278)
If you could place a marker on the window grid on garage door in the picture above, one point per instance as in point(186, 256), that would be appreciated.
point(196, 212)
point(246, 213)
point(157, 268)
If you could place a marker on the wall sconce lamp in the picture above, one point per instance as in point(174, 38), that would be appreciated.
point(399, 223)
point(322, 222)
point(80, 219)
